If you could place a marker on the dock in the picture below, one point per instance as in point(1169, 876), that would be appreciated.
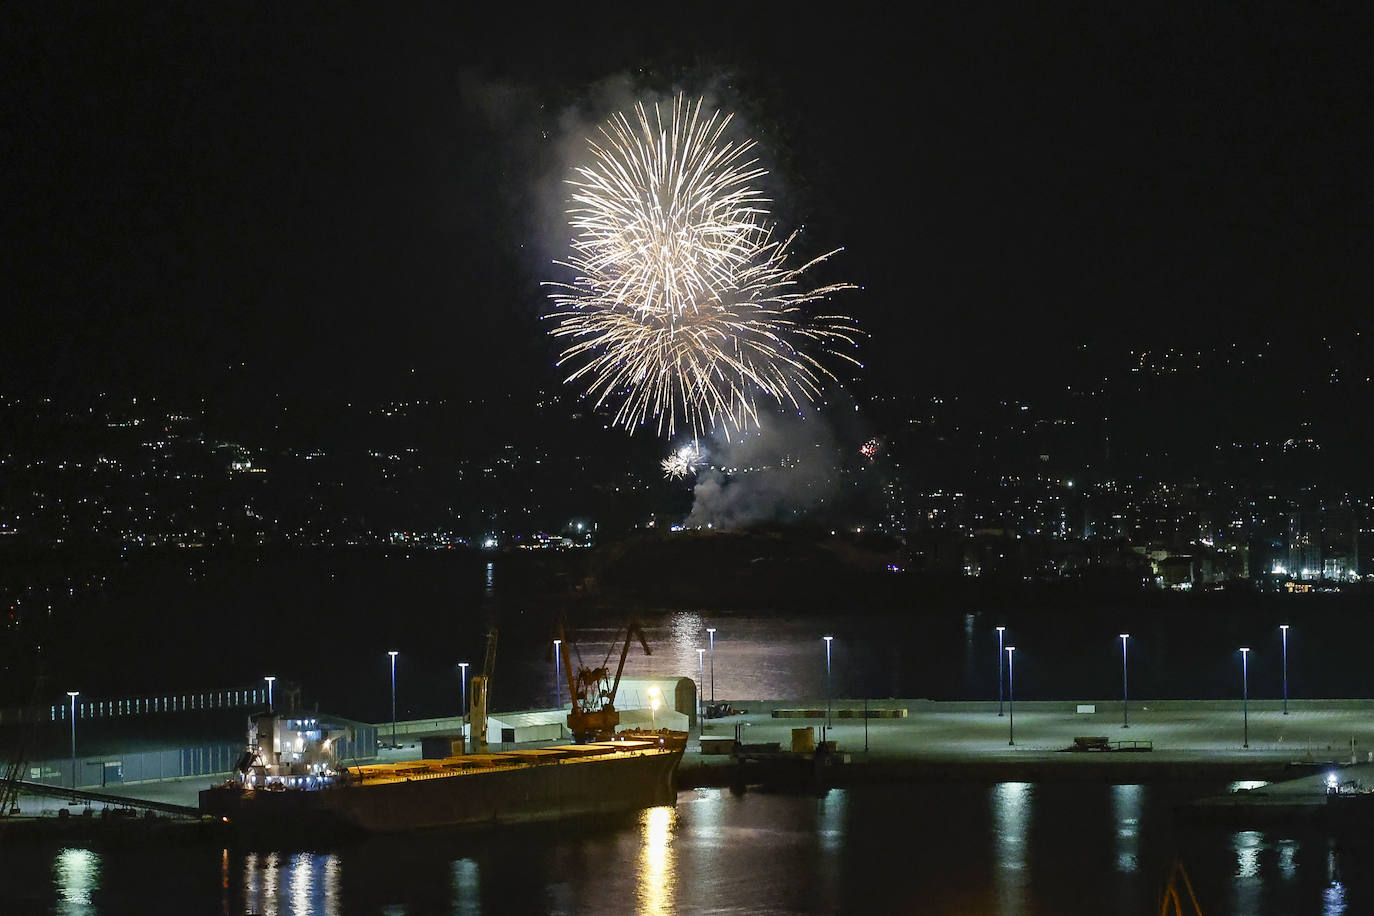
point(1331, 797)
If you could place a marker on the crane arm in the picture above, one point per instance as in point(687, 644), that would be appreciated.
point(489, 664)
point(631, 631)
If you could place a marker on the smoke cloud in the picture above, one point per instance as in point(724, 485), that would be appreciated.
point(786, 471)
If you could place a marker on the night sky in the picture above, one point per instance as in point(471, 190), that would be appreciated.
point(288, 197)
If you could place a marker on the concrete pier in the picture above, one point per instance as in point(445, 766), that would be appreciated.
point(1166, 740)
point(1188, 739)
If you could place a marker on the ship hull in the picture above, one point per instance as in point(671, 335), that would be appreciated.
point(550, 791)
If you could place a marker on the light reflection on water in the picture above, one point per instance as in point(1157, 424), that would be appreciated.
point(301, 884)
point(1247, 888)
point(76, 875)
point(656, 873)
point(311, 884)
point(1126, 802)
point(1247, 845)
point(1011, 814)
point(1009, 848)
point(1333, 897)
point(467, 887)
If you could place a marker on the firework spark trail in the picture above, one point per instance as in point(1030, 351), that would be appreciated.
point(684, 306)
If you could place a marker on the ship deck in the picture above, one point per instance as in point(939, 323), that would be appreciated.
point(470, 764)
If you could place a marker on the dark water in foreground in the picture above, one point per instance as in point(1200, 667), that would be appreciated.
point(1010, 848)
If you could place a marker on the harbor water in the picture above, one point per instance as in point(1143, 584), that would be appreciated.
point(950, 848)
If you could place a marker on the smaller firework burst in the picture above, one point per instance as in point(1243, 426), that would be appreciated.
point(681, 463)
point(870, 448)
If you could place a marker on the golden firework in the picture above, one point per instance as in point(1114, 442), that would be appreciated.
point(683, 308)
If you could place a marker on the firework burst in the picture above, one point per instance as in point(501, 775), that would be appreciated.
point(682, 462)
point(685, 308)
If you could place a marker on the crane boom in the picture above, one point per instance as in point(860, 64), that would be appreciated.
point(593, 714)
point(631, 629)
point(481, 694)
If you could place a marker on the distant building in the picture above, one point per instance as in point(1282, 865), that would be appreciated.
point(1323, 544)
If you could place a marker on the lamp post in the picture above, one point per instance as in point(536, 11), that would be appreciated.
point(393, 653)
point(827, 679)
point(701, 681)
point(1000, 632)
point(1011, 700)
point(1284, 628)
point(73, 694)
point(711, 631)
point(269, 679)
point(557, 690)
point(463, 711)
point(1245, 693)
point(653, 708)
point(1125, 716)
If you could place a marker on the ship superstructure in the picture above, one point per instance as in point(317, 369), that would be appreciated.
point(297, 751)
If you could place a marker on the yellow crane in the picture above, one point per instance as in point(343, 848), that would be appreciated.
point(481, 693)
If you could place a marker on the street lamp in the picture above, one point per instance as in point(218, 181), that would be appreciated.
point(393, 653)
point(557, 690)
point(1000, 631)
point(1284, 628)
point(269, 679)
point(1011, 700)
point(1245, 693)
point(711, 631)
point(1125, 716)
point(73, 694)
point(827, 679)
point(701, 680)
point(653, 708)
point(463, 679)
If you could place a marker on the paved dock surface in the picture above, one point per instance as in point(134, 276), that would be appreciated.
point(1176, 730)
point(943, 740)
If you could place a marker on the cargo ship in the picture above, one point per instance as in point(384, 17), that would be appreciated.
point(288, 780)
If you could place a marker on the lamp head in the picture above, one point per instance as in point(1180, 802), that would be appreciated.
point(73, 693)
point(393, 653)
